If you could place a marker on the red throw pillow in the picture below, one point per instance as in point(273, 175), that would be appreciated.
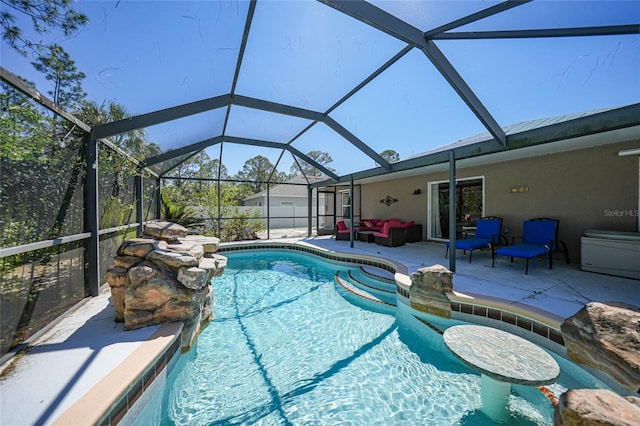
point(341, 226)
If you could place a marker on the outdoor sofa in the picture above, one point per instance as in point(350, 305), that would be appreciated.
point(412, 231)
point(392, 234)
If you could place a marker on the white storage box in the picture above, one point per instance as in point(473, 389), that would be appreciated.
point(612, 253)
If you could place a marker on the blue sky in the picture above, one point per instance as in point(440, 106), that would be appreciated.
point(149, 55)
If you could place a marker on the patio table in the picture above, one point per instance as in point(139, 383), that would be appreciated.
point(366, 236)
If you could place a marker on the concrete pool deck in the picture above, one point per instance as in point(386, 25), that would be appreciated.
point(78, 352)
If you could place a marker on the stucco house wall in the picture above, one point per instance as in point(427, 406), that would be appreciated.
point(288, 204)
point(591, 188)
point(276, 201)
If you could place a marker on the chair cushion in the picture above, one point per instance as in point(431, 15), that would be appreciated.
point(384, 232)
point(341, 225)
point(488, 228)
point(472, 243)
point(385, 228)
point(394, 223)
point(524, 251)
point(539, 231)
point(368, 224)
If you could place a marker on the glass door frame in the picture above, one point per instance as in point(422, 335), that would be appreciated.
point(430, 186)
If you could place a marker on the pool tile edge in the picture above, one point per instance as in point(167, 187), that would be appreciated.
point(108, 401)
point(358, 259)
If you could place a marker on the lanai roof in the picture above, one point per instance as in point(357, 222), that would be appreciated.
point(355, 78)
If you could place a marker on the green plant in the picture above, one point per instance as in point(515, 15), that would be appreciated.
point(243, 225)
point(178, 213)
point(115, 213)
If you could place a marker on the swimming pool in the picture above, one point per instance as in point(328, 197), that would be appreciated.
point(287, 346)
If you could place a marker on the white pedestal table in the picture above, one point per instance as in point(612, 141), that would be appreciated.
point(501, 358)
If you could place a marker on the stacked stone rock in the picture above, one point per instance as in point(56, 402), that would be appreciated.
point(165, 276)
point(596, 407)
point(429, 288)
point(604, 336)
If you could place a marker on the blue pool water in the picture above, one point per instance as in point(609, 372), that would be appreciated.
point(286, 347)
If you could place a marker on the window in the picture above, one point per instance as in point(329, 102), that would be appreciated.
point(346, 204)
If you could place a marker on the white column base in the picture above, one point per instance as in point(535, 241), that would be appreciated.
point(495, 398)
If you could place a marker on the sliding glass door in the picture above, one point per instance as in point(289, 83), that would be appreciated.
point(469, 207)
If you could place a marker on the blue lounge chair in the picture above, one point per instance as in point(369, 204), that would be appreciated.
point(488, 230)
point(539, 237)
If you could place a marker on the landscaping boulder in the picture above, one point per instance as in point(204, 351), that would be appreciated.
point(116, 277)
point(208, 244)
point(606, 336)
point(596, 407)
point(165, 231)
point(140, 247)
point(429, 288)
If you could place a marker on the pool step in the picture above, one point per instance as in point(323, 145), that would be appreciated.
point(377, 274)
point(381, 291)
point(367, 280)
point(360, 296)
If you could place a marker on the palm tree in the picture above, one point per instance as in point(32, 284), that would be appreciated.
point(134, 141)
